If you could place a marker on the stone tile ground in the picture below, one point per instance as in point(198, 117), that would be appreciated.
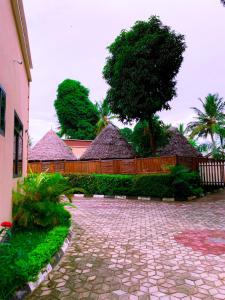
point(139, 250)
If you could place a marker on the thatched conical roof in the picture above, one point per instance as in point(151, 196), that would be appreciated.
point(109, 144)
point(50, 148)
point(178, 145)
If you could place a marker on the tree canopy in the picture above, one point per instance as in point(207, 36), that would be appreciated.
point(77, 115)
point(139, 136)
point(141, 133)
point(141, 69)
point(127, 134)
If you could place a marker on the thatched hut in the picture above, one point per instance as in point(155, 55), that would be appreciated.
point(109, 144)
point(50, 148)
point(178, 145)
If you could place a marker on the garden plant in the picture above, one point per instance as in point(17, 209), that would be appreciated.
point(40, 225)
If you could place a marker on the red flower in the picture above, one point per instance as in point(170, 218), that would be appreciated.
point(6, 224)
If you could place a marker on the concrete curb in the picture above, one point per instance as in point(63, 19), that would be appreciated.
point(122, 197)
point(164, 199)
point(29, 287)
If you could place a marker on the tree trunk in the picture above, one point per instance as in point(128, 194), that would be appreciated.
point(152, 137)
point(213, 141)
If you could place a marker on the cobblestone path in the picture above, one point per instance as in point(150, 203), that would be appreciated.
point(141, 250)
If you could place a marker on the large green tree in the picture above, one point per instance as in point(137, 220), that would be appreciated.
point(141, 136)
point(141, 71)
point(77, 115)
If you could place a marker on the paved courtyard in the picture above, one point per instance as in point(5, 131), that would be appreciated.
point(141, 250)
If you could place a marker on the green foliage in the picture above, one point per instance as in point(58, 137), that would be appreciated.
point(25, 255)
point(36, 200)
point(181, 128)
point(77, 115)
point(105, 115)
point(158, 185)
point(203, 147)
point(127, 133)
point(184, 182)
point(209, 120)
point(102, 184)
point(40, 214)
point(161, 185)
point(141, 70)
point(41, 187)
point(141, 136)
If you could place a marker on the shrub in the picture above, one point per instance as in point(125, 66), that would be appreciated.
point(41, 214)
point(153, 185)
point(184, 182)
point(102, 184)
point(41, 187)
point(25, 255)
point(177, 184)
point(36, 201)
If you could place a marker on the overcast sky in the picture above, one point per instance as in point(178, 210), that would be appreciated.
point(68, 39)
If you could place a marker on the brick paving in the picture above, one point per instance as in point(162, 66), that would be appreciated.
point(141, 250)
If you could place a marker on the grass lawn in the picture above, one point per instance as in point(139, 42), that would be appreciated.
point(23, 257)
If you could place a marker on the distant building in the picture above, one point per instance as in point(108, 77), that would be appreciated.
point(178, 145)
point(78, 147)
point(15, 65)
point(51, 148)
point(109, 144)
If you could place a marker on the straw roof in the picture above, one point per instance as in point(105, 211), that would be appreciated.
point(109, 144)
point(50, 148)
point(178, 145)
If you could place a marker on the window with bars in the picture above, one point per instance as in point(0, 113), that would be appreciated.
point(18, 147)
point(2, 110)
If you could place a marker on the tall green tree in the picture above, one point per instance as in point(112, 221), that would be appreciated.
point(208, 120)
point(105, 115)
point(141, 71)
point(77, 115)
point(141, 133)
point(127, 133)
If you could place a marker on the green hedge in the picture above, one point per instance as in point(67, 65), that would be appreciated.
point(23, 257)
point(160, 185)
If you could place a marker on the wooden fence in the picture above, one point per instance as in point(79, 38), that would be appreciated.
point(212, 172)
point(115, 166)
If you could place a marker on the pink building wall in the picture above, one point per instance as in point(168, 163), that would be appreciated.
point(14, 79)
point(78, 147)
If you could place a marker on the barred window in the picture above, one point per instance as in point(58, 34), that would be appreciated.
point(18, 147)
point(2, 111)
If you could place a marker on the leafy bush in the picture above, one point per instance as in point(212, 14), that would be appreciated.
point(25, 255)
point(153, 185)
point(184, 182)
point(41, 187)
point(102, 184)
point(36, 201)
point(42, 214)
point(176, 184)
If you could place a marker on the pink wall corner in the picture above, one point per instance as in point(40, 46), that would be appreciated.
point(13, 79)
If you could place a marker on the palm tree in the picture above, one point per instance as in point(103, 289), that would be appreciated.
point(182, 130)
point(105, 115)
point(206, 121)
